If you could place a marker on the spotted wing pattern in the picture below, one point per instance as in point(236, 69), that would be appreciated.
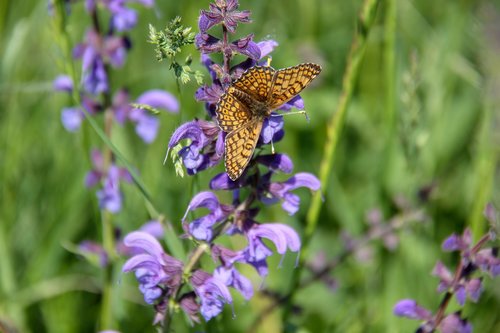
point(289, 82)
point(262, 85)
point(239, 147)
point(256, 82)
point(231, 113)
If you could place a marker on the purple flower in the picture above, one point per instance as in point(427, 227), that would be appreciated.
point(159, 99)
point(283, 237)
point(110, 196)
point(94, 252)
point(154, 269)
point(122, 17)
point(153, 227)
point(410, 309)
point(454, 324)
point(487, 260)
point(201, 228)
point(95, 52)
point(206, 146)
point(210, 95)
point(99, 171)
point(232, 278)
point(121, 106)
point(188, 304)
point(276, 162)
point(72, 118)
point(255, 254)
point(474, 288)
point(246, 46)
point(490, 213)
point(223, 12)
point(272, 129)
point(63, 83)
point(296, 102)
point(223, 182)
point(210, 65)
point(212, 292)
point(266, 47)
point(444, 275)
point(458, 243)
point(95, 79)
point(462, 288)
point(208, 43)
point(146, 125)
point(273, 192)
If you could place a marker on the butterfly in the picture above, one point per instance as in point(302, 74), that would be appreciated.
point(248, 101)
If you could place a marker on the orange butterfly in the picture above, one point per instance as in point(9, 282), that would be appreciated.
point(241, 110)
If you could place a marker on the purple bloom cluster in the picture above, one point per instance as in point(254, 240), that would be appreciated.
point(157, 273)
point(99, 52)
point(204, 149)
point(463, 283)
point(110, 196)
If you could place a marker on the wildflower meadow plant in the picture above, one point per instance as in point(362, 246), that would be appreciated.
point(465, 283)
point(206, 280)
point(100, 52)
point(103, 50)
point(162, 277)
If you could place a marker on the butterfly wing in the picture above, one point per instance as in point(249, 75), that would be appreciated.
point(289, 82)
point(231, 112)
point(239, 147)
point(256, 82)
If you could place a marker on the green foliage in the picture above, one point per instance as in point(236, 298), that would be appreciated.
point(445, 134)
point(169, 44)
point(176, 160)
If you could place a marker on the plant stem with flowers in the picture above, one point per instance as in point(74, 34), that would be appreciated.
point(475, 259)
point(100, 52)
point(166, 282)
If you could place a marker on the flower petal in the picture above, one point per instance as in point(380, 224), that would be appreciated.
point(410, 309)
point(147, 128)
point(159, 99)
point(72, 118)
point(266, 47)
point(146, 242)
point(63, 83)
point(276, 162)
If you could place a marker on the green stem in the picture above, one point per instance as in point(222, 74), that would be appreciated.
point(8, 284)
point(485, 166)
point(108, 240)
point(108, 235)
point(390, 86)
point(334, 129)
point(390, 64)
point(193, 261)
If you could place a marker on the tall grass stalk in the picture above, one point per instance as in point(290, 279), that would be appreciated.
point(334, 130)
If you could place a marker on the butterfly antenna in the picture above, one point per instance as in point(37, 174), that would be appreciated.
point(304, 112)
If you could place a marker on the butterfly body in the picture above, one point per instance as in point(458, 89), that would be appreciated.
point(248, 101)
point(257, 108)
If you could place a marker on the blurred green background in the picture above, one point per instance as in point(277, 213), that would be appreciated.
point(428, 118)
